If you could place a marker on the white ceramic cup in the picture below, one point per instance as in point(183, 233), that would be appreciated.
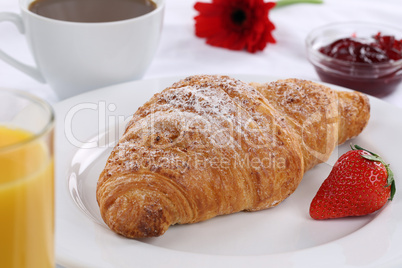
point(74, 57)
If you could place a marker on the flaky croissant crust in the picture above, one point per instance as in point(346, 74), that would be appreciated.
point(214, 145)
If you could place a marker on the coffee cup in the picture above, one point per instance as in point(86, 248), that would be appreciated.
point(75, 57)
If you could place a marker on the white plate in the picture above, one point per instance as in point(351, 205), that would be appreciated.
point(284, 236)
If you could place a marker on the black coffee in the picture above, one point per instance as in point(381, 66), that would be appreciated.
point(91, 10)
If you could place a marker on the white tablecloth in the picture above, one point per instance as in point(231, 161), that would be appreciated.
point(180, 52)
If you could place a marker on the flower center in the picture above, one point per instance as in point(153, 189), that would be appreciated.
point(238, 16)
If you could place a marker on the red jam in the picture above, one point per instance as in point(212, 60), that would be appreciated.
point(363, 66)
point(383, 49)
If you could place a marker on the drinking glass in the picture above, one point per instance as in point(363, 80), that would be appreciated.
point(26, 181)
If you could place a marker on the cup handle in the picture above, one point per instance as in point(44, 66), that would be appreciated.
point(29, 70)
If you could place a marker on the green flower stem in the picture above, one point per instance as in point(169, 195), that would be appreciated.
point(281, 3)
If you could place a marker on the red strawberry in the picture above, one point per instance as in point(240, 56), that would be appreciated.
point(359, 184)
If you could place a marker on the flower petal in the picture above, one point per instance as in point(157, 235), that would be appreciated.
point(235, 24)
point(207, 9)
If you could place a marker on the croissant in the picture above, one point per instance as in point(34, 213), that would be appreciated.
point(213, 145)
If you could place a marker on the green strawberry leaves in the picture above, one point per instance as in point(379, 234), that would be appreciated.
point(391, 181)
point(375, 157)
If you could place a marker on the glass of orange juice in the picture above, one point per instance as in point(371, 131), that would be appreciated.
point(26, 181)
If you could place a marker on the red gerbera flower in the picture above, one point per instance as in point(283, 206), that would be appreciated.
point(235, 24)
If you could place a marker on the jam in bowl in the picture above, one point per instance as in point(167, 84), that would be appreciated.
point(362, 56)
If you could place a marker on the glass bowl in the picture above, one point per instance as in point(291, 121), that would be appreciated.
point(377, 79)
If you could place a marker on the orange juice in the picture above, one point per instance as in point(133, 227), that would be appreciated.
point(26, 200)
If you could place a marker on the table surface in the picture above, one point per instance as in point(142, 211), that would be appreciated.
point(180, 52)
